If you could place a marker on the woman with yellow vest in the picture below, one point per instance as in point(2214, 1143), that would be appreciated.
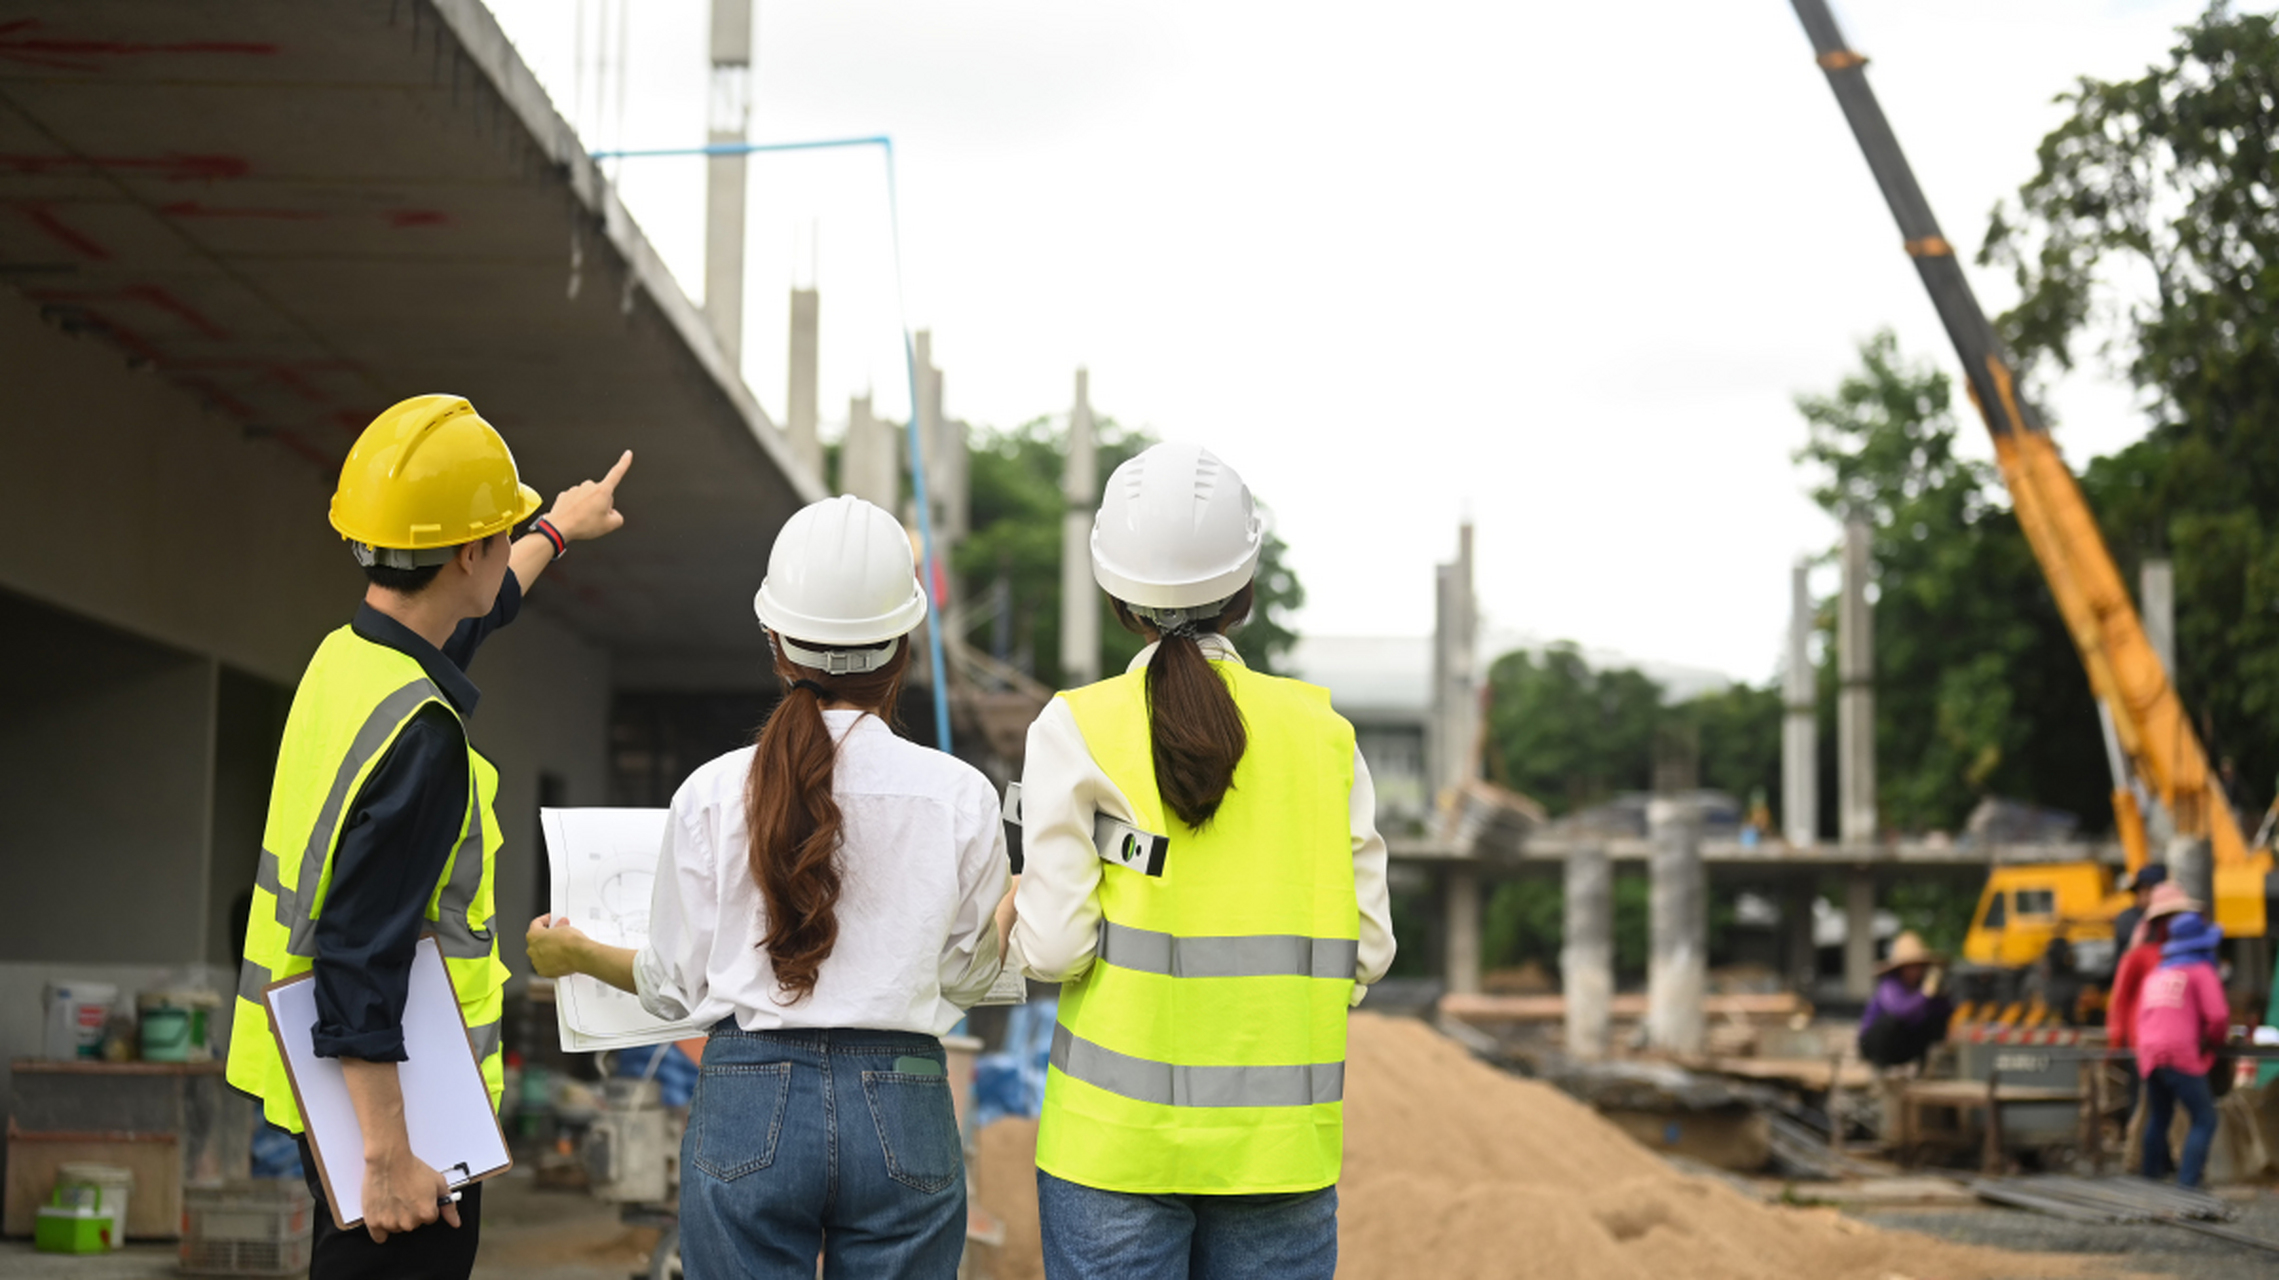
point(831, 899)
point(1193, 1121)
point(380, 823)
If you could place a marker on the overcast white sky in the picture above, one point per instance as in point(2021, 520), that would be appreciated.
point(1564, 267)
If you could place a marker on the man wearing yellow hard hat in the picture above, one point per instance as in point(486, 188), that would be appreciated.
point(380, 823)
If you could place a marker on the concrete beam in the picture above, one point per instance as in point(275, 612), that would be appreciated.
point(1677, 967)
point(1586, 955)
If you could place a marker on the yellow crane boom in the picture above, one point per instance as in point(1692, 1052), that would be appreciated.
point(2154, 734)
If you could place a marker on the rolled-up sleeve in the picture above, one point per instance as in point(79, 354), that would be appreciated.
point(1058, 905)
point(1369, 885)
point(670, 972)
point(971, 953)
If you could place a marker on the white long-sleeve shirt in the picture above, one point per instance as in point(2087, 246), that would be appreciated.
point(1057, 925)
point(922, 868)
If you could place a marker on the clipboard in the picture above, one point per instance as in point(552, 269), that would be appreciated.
point(447, 1105)
point(1118, 842)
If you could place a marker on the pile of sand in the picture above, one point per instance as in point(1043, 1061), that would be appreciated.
point(1454, 1169)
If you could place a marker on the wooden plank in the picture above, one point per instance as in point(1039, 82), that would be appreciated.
point(1491, 1008)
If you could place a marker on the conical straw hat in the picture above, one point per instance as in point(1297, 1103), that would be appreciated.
point(1907, 949)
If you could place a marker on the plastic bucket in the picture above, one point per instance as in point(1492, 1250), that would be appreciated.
point(165, 1034)
point(115, 1184)
point(77, 1013)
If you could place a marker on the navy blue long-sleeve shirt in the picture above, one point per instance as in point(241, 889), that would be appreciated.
point(395, 841)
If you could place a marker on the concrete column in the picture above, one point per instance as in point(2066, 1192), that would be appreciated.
point(1455, 689)
point(728, 121)
point(1079, 596)
point(1859, 933)
point(1677, 966)
point(1855, 709)
point(2192, 865)
point(799, 407)
point(1460, 904)
point(870, 461)
point(1586, 957)
point(1800, 728)
point(1800, 953)
point(2156, 602)
point(2156, 596)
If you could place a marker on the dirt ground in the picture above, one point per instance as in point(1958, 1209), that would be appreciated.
point(1455, 1170)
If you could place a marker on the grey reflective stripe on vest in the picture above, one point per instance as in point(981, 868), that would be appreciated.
point(1267, 955)
point(484, 1040)
point(377, 729)
point(1170, 1085)
point(252, 981)
point(459, 938)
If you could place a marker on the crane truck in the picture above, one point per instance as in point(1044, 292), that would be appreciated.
point(2153, 752)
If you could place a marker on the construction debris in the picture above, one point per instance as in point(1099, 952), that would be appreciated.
point(2120, 1200)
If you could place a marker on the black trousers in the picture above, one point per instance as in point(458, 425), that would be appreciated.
point(1891, 1043)
point(435, 1252)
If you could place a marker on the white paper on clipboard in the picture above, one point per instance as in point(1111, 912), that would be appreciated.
point(447, 1105)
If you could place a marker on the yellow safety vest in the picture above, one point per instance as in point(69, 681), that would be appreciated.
point(355, 698)
point(1204, 1050)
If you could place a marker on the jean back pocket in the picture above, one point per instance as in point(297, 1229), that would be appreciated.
point(738, 1117)
point(917, 1127)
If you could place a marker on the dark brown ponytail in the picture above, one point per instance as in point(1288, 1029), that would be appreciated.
point(1194, 727)
point(794, 818)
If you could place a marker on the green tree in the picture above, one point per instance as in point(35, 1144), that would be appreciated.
point(2149, 234)
point(1977, 688)
point(1016, 508)
point(1565, 734)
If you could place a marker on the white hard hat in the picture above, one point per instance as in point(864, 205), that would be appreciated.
point(1176, 529)
point(841, 574)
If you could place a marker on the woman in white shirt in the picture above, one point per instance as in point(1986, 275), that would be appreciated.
point(835, 898)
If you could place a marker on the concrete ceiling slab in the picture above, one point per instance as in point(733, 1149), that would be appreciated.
point(301, 211)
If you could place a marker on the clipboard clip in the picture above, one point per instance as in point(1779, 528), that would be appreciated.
point(466, 1175)
point(1118, 843)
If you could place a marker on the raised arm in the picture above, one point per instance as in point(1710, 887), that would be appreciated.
point(580, 513)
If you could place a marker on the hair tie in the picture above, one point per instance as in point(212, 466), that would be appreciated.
point(812, 687)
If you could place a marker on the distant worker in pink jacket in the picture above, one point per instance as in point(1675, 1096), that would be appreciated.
point(2181, 1018)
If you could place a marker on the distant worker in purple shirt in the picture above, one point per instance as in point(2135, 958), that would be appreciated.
point(1906, 1015)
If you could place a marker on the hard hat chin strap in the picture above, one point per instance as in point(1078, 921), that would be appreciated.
point(400, 557)
point(1190, 620)
point(836, 662)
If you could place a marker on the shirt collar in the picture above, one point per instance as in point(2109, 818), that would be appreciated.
point(1215, 647)
point(379, 628)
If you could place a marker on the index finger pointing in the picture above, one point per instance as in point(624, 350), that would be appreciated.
point(617, 473)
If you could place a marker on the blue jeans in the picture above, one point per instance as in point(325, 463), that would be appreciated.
point(1090, 1234)
point(807, 1143)
point(2163, 1089)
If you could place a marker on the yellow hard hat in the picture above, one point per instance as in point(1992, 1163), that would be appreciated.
point(428, 474)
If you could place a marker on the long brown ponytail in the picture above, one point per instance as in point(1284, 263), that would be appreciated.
point(1194, 728)
point(794, 818)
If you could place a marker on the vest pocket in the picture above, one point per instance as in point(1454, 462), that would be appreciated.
point(917, 1127)
point(738, 1117)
